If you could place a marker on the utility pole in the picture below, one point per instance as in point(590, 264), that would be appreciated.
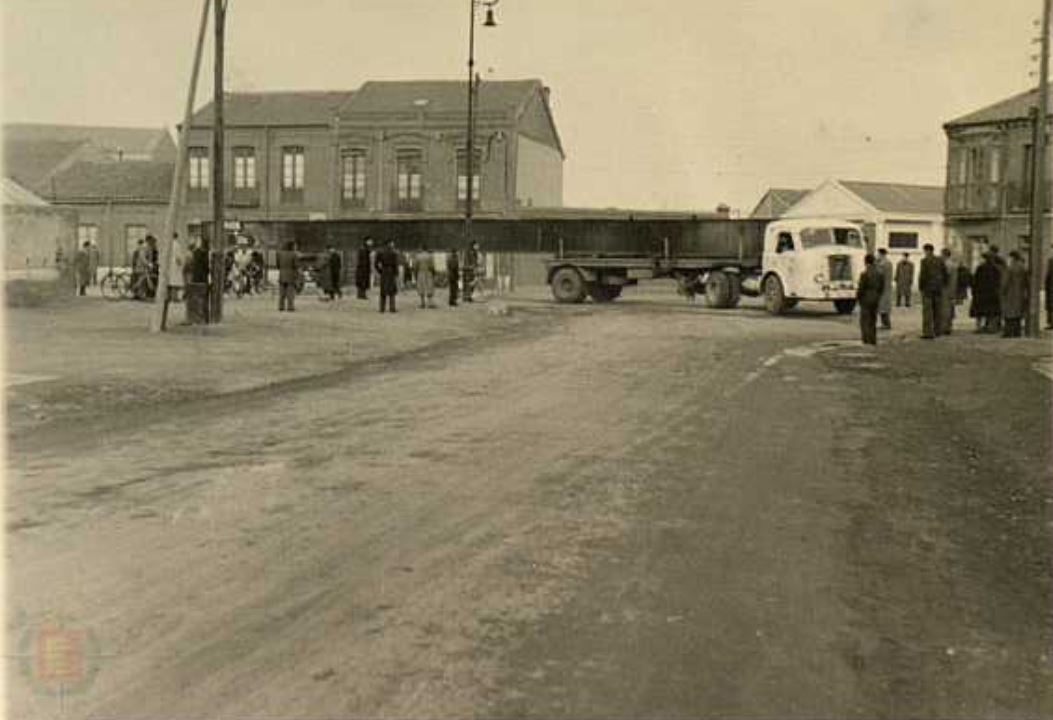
point(470, 158)
point(1039, 194)
point(219, 239)
point(160, 313)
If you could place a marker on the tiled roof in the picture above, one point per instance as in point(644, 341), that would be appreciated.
point(132, 180)
point(898, 197)
point(277, 108)
point(128, 140)
point(1016, 107)
point(440, 96)
point(777, 201)
point(30, 162)
point(15, 194)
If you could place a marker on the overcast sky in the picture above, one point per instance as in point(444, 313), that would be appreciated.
point(676, 104)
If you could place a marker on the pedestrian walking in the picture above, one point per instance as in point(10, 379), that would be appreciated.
point(904, 281)
point(81, 266)
point(471, 269)
point(387, 266)
point(949, 295)
point(1014, 296)
point(336, 274)
point(288, 275)
point(364, 268)
point(453, 274)
point(424, 271)
point(869, 292)
point(884, 266)
point(94, 257)
point(986, 305)
point(931, 279)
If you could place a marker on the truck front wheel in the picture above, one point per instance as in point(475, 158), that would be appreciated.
point(845, 307)
point(568, 286)
point(774, 296)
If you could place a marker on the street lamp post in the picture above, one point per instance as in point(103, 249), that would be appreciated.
point(470, 154)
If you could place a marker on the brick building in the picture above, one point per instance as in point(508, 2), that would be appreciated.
point(116, 180)
point(387, 150)
point(989, 162)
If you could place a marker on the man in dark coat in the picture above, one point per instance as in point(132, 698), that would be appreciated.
point(364, 268)
point(81, 268)
point(904, 280)
point(1014, 296)
point(931, 281)
point(987, 295)
point(288, 274)
point(336, 274)
point(1000, 265)
point(453, 272)
point(868, 295)
point(387, 266)
point(471, 267)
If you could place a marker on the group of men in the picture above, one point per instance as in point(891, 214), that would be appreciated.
point(999, 289)
point(387, 261)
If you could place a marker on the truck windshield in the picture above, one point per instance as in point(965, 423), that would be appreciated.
point(817, 237)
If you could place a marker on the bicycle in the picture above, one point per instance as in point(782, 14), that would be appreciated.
point(115, 284)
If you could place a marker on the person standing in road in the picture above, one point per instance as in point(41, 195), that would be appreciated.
point(1000, 265)
point(387, 266)
point(453, 273)
point(931, 279)
point(869, 293)
point(987, 295)
point(471, 268)
point(904, 281)
point(81, 268)
point(949, 295)
point(288, 274)
point(364, 268)
point(94, 256)
point(336, 274)
point(424, 270)
point(884, 265)
point(1014, 296)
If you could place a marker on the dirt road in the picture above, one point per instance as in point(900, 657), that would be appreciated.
point(633, 510)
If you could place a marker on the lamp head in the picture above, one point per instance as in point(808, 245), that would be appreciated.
point(490, 21)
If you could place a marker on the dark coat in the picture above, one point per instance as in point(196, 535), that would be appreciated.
point(363, 269)
point(336, 269)
point(288, 266)
point(904, 274)
point(199, 265)
point(453, 267)
point(987, 290)
point(871, 287)
point(1014, 292)
point(387, 265)
point(933, 276)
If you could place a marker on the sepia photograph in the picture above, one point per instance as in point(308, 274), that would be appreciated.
point(556, 359)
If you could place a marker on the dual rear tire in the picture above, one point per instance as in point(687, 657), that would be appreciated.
point(569, 286)
point(723, 290)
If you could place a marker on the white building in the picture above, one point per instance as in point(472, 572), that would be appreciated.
point(901, 218)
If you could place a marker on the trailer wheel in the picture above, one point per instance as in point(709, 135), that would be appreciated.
point(568, 286)
point(718, 290)
point(774, 296)
point(845, 307)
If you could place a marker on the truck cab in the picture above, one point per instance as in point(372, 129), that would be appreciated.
point(811, 260)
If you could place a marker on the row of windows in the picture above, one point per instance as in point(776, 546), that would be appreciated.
point(409, 167)
point(983, 164)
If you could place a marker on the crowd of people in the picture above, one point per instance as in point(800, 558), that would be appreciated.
point(386, 268)
point(999, 292)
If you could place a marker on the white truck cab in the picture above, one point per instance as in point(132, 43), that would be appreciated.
point(808, 259)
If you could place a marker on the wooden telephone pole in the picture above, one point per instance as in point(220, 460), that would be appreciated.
point(1039, 194)
point(218, 247)
point(160, 313)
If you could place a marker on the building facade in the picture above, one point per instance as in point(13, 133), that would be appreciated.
point(898, 217)
point(386, 150)
point(990, 155)
point(116, 181)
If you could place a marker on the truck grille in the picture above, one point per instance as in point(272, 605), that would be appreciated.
point(840, 268)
